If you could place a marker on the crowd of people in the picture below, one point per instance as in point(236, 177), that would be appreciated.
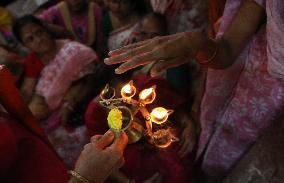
point(218, 64)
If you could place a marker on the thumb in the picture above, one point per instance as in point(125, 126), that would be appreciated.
point(105, 140)
point(120, 143)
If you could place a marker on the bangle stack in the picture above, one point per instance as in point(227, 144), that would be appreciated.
point(200, 56)
point(78, 176)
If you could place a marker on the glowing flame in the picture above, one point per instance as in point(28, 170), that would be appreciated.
point(128, 90)
point(160, 115)
point(146, 93)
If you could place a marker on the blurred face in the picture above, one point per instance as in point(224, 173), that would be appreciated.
point(150, 29)
point(77, 5)
point(120, 8)
point(36, 38)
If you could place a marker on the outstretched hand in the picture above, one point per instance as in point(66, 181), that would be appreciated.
point(101, 156)
point(167, 51)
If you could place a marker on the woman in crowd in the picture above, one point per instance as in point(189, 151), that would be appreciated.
point(244, 82)
point(56, 76)
point(122, 20)
point(80, 19)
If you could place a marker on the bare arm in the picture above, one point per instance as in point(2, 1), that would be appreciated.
point(247, 21)
point(27, 88)
point(171, 51)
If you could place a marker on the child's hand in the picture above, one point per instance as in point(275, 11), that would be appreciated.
point(187, 140)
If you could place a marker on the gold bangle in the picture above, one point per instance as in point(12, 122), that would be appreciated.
point(78, 176)
point(211, 58)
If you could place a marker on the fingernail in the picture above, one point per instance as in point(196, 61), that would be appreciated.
point(117, 71)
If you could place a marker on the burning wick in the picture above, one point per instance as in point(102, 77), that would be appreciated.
point(160, 115)
point(148, 95)
point(128, 90)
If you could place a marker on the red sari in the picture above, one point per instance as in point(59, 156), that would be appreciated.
point(25, 152)
point(141, 159)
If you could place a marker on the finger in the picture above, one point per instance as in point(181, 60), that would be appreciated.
point(125, 48)
point(139, 44)
point(182, 140)
point(187, 151)
point(87, 145)
point(105, 140)
point(184, 147)
point(120, 143)
point(131, 65)
point(139, 60)
point(162, 66)
point(127, 55)
point(95, 138)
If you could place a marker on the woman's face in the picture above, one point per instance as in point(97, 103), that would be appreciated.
point(120, 8)
point(36, 38)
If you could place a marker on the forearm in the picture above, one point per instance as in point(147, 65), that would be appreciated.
point(79, 91)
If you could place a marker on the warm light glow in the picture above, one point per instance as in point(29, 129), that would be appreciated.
point(148, 95)
point(159, 115)
point(128, 90)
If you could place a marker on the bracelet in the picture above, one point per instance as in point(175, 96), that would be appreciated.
point(78, 176)
point(211, 58)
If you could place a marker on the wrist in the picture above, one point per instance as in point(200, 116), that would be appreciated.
point(195, 41)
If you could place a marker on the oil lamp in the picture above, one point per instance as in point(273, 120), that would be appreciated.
point(125, 117)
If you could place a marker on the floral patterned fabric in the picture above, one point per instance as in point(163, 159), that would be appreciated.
point(73, 62)
point(240, 101)
point(182, 15)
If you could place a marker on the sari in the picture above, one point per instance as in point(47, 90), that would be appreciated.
point(242, 100)
point(142, 160)
point(26, 155)
point(182, 15)
point(72, 62)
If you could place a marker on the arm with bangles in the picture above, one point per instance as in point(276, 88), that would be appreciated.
point(174, 50)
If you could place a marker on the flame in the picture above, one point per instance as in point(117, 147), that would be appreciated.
point(146, 93)
point(127, 89)
point(160, 112)
point(159, 115)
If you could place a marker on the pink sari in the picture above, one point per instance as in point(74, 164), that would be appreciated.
point(242, 100)
point(182, 15)
point(73, 61)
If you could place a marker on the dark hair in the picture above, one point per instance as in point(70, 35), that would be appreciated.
point(160, 19)
point(23, 21)
point(142, 7)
